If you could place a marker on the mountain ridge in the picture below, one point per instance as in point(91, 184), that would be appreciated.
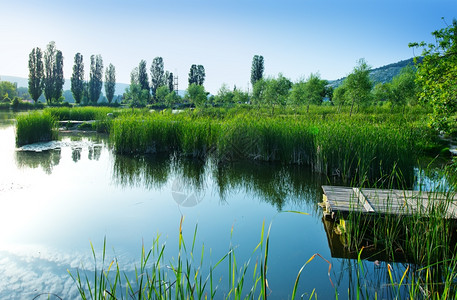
point(381, 74)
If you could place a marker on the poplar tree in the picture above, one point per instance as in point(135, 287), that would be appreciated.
point(257, 69)
point(157, 75)
point(96, 78)
point(170, 81)
point(77, 78)
point(53, 77)
point(196, 75)
point(110, 82)
point(35, 73)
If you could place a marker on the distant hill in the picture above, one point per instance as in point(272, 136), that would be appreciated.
point(382, 74)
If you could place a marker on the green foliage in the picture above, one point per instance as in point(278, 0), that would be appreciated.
point(196, 94)
point(196, 75)
point(36, 73)
point(158, 77)
point(7, 90)
point(77, 78)
point(96, 78)
point(276, 91)
point(257, 69)
point(53, 76)
point(437, 76)
point(35, 127)
point(311, 91)
point(171, 99)
point(110, 82)
point(224, 96)
point(161, 93)
point(135, 96)
point(356, 88)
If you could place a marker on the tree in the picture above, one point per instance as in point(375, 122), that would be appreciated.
point(197, 75)
point(436, 77)
point(382, 92)
point(110, 82)
point(196, 94)
point(77, 78)
point(311, 91)
point(157, 75)
point(53, 77)
point(358, 84)
point(36, 71)
point(277, 91)
point(8, 90)
point(403, 87)
point(96, 78)
point(224, 96)
point(171, 99)
point(257, 69)
point(200, 75)
point(340, 96)
point(240, 96)
point(143, 79)
point(170, 82)
point(134, 94)
point(161, 93)
point(258, 92)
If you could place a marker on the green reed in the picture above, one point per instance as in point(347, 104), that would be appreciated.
point(365, 146)
point(79, 113)
point(35, 127)
point(183, 277)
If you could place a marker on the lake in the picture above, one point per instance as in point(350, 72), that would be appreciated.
point(54, 203)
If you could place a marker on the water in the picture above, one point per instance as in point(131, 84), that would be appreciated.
point(55, 202)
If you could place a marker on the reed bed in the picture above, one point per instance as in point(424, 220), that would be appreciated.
point(35, 127)
point(350, 148)
point(79, 113)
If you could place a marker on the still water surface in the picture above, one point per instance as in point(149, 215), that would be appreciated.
point(55, 202)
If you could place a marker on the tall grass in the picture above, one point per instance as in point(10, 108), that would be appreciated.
point(184, 277)
point(79, 113)
point(365, 146)
point(35, 127)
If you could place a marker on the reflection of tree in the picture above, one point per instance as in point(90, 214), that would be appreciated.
point(76, 154)
point(273, 183)
point(147, 171)
point(47, 160)
point(191, 172)
point(94, 153)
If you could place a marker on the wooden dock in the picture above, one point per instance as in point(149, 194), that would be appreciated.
point(338, 200)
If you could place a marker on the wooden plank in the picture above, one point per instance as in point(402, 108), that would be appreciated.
point(363, 200)
point(388, 201)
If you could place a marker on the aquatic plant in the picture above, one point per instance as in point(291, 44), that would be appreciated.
point(35, 127)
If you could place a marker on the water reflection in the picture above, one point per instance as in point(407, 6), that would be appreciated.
point(47, 160)
point(48, 154)
point(149, 172)
point(272, 183)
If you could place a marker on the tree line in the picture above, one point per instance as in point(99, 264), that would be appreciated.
point(430, 82)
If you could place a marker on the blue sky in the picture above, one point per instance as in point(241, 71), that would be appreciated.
point(296, 38)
